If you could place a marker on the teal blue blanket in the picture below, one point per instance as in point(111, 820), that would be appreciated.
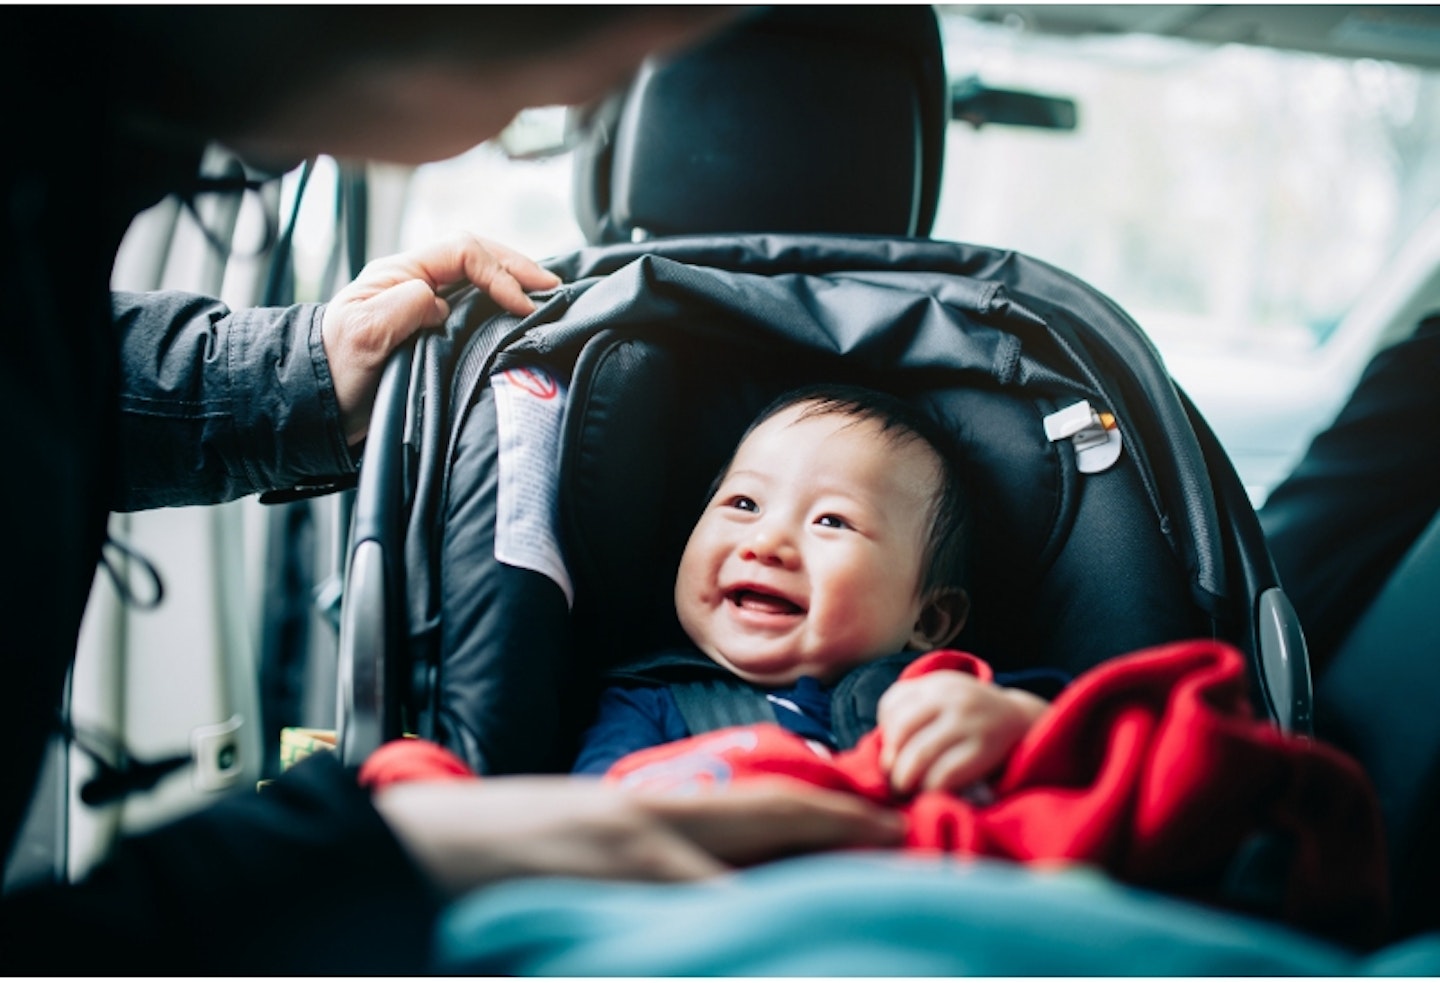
point(882, 915)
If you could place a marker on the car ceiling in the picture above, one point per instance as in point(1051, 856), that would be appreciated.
point(1409, 34)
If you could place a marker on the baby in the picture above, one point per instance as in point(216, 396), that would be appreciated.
point(836, 536)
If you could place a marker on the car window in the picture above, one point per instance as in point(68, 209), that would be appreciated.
point(1238, 201)
point(1235, 195)
point(522, 203)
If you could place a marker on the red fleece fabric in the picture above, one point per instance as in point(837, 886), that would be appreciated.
point(411, 760)
point(1151, 766)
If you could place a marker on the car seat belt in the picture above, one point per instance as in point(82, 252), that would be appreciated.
point(713, 704)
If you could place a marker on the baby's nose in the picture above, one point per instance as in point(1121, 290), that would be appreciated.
point(772, 547)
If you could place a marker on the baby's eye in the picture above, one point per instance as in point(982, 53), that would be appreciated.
point(832, 521)
point(742, 502)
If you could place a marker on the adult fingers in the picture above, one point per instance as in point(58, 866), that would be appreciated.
point(521, 268)
point(497, 269)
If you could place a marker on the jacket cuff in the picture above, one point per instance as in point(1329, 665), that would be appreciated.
point(346, 457)
point(286, 416)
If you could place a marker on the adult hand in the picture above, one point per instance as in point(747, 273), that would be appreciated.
point(394, 297)
point(466, 834)
point(947, 730)
point(765, 820)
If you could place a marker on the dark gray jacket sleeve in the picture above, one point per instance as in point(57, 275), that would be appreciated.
point(218, 404)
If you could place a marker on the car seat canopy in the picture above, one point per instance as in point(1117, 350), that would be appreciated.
point(654, 414)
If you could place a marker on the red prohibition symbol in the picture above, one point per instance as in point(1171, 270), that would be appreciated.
point(536, 382)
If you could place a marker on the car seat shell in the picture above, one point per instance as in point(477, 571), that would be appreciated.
point(743, 317)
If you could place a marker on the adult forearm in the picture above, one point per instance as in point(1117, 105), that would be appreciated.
point(215, 404)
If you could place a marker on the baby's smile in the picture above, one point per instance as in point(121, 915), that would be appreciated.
point(761, 601)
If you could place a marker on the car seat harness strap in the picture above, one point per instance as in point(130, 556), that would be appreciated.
point(714, 704)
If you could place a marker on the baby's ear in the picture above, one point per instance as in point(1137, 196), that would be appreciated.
point(941, 618)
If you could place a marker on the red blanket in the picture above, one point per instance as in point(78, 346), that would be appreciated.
point(1151, 766)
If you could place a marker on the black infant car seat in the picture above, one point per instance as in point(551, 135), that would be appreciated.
point(578, 442)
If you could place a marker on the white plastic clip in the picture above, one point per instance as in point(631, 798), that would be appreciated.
point(1095, 436)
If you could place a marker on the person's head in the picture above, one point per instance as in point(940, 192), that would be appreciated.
point(836, 534)
point(401, 84)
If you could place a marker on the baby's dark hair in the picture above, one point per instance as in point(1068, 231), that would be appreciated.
point(947, 549)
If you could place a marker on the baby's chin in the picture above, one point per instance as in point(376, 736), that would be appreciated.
point(772, 672)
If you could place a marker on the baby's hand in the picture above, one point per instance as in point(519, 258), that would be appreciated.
point(947, 730)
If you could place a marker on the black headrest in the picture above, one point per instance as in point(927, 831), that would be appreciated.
point(799, 119)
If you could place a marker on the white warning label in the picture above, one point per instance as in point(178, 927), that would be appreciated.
point(529, 403)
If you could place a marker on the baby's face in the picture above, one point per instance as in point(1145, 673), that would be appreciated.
point(807, 560)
